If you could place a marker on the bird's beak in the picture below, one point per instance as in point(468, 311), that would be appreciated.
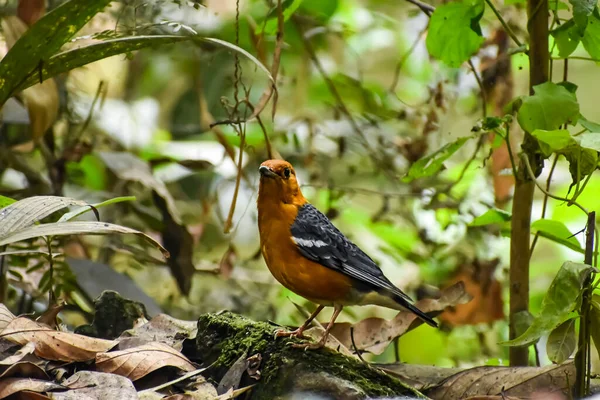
point(266, 172)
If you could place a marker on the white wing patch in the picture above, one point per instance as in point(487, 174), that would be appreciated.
point(308, 242)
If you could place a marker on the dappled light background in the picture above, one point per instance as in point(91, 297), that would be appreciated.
point(359, 100)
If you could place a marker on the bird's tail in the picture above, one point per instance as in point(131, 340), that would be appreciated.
point(411, 307)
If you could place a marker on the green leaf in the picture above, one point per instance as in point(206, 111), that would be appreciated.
point(551, 106)
point(42, 40)
point(582, 162)
point(589, 125)
point(561, 342)
point(553, 141)
point(78, 57)
point(454, 31)
point(270, 25)
point(581, 152)
point(560, 301)
point(75, 58)
point(28, 211)
point(73, 214)
point(557, 232)
point(591, 37)
point(5, 201)
point(567, 37)
point(492, 216)
point(432, 163)
point(74, 228)
point(582, 9)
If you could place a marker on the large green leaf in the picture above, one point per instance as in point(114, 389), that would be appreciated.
point(591, 37)
point(561, 342)
point(581, 152)
point(432, 163)
point(78, 57)
point(74, 228)
point(71, 59)
point(454, 32)
point(28, 211)
point(558, 305)
point(567, 37)
point(557, 232)
point(41, 41)
point(551, 106)
point(582, 162)
point(553, 141)
point(582, 9)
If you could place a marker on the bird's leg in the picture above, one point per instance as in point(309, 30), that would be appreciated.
point(298, 332)
point(321, 343)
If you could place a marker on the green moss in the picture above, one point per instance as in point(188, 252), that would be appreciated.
point(114, 314)
point(224, 338)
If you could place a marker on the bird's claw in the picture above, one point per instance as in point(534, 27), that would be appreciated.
point(295, 333)
point(308, 346)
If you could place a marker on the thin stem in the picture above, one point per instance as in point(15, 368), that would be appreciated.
point(577, 58)
point(532, 177)
point(545, 203)
point(51, 295)
point(426, 8)
point(481, 88)
point(504, 24)
point(403, 60)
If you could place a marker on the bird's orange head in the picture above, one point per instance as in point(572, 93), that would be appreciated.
point(278, 183)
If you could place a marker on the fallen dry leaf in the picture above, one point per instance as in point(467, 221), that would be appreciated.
point(487, 305)
point(23, 364)
point(5, 316)
point(520, 382)
point(97, 386)
point(10, 386)
point(137, 362)
point(163, 328)
point(374, 334)
point(55, 345)
point(49, 316)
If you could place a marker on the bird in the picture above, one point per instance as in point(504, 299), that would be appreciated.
point(308, 255)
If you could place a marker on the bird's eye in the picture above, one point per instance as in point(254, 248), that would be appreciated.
point(286, 172)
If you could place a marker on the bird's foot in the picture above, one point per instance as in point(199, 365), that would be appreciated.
point(297, 333)
point(310, 346)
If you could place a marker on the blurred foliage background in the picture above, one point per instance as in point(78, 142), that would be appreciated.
point(359, 100)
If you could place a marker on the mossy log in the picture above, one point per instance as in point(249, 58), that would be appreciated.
point(284, 370)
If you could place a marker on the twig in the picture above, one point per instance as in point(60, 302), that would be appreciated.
point(426, 8)
point(174, 381)
point(272, 89)
point(403, 60)
point(229, 221)
point(504, 24)
point(532, 177)
point(581, 360)
point(544, 204)
point(358, 351)
point(51, 296)
point(481, 88)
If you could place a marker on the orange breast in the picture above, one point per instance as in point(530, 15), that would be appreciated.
point(306, 278)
